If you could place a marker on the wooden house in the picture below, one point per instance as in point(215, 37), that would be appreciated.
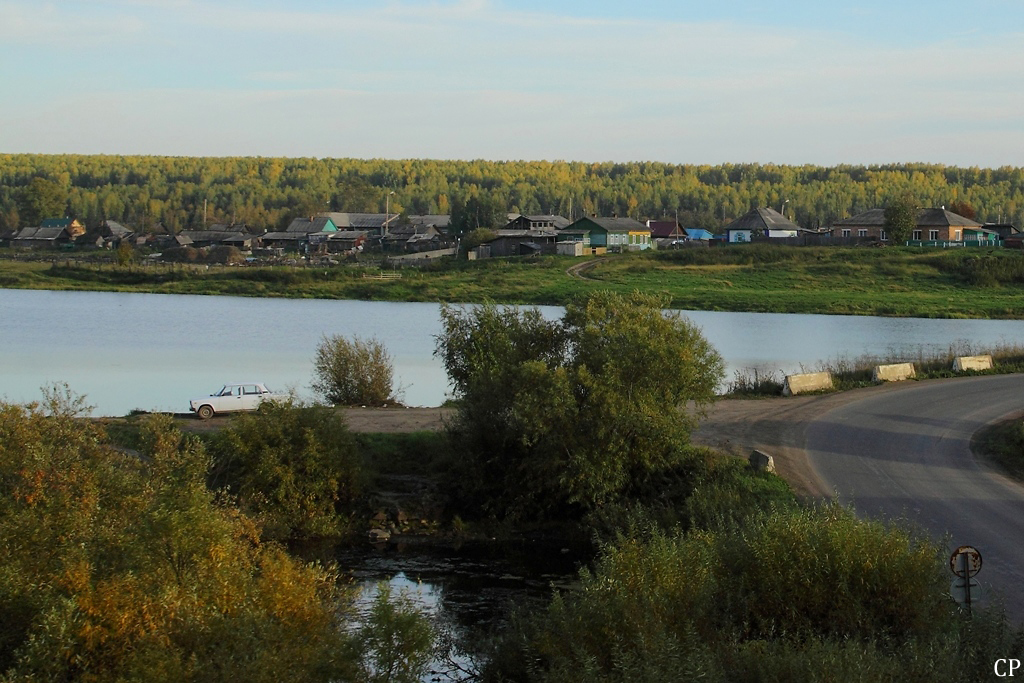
point(299, 232)
point(522, 242)
point(613, 234)
point(932, 225)
point(74, 228)
point(665, 230)
point(377, 224)
point(756, 223)
point(41, 238)
point(540, 222)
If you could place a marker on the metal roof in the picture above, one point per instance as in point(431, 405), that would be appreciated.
point(925, 218)
point(613, 224)
point(763, 219)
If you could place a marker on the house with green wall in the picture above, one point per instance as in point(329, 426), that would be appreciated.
point(612, 234)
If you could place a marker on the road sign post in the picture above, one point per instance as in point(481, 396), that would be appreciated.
point(965, 562)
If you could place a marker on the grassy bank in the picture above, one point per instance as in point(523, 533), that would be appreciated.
point(906, 282)
point(1003, 443)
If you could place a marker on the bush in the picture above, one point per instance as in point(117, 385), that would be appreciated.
point(806, 595)
point(225, 255)
point(182, 254)
point(293, 467)
point(120, 568)
point(558, 418)
point(353, 372)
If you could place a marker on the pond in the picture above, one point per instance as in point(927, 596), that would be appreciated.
point(155, 351)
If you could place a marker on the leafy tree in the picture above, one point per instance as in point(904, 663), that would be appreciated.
point(963, 208)
point(900, 219)
point(475, 238)
point(124, 254)
point(293, 467)
point(42, 198)
point(479, 211)
point(353, 372)
point(562, 417)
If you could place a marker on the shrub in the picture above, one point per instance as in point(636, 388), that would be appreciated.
point(806, 595)
point(182, 254)
point(225, 254)
point(293, 467)
point(122, 568)
point(353, 372)
point(557, 418)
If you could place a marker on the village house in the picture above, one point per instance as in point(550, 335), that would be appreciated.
point(109, 234)
point(347, 240)
point(613, 234)
point(549, 222)
point(519, 243)
point(41, 238)
point(300, 231)
point(377, 224)
point(74, 228)
point(763, 222)
point(409, 237)
point(932, 225)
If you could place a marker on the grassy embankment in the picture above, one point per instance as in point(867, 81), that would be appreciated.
point(908, 282)
point(1003, 443)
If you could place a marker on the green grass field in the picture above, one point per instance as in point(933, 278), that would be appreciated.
point(849, 281)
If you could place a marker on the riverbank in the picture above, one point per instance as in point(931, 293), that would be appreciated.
point(895, 282)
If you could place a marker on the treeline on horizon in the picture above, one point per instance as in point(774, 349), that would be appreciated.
point(187, 192)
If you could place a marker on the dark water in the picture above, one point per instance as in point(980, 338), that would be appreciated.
point(467, 588)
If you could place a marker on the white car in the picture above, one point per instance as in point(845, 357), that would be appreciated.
point(233, 398)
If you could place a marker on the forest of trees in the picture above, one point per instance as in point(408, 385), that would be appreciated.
point(186, 192)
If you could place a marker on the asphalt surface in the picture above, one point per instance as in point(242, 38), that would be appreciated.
point(906, 455)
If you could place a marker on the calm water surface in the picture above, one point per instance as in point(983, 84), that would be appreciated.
point(156, 351)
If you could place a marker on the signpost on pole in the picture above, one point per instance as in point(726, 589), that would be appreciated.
point(965, 562)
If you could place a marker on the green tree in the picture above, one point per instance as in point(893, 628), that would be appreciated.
point(563, 417)
point(353, 372)
point(476, 237)
point(42, 198)
point(900, 219)
point(479, 211)
point(124, 254)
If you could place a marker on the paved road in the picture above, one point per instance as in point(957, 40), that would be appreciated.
point(907, 454)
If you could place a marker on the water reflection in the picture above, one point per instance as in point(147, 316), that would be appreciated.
point(467, 588)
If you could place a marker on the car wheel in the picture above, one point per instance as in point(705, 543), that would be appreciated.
point(205, 412)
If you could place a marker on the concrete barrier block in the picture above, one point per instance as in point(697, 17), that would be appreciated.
point(962, 363)
point(810, 381)
point(896, 372)
point(761, 462)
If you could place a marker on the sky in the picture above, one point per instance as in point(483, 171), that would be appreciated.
point(726, 81)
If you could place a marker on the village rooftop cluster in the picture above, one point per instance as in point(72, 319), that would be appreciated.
point(415, 237)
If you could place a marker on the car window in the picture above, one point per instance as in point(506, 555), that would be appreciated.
point(250, 389)
point(226, 391)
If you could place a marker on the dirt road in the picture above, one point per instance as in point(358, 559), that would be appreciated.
point(775, 425)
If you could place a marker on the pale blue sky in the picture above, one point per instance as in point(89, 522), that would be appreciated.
point(683, 82)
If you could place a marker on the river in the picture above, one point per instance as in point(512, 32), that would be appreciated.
point(126, 351)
